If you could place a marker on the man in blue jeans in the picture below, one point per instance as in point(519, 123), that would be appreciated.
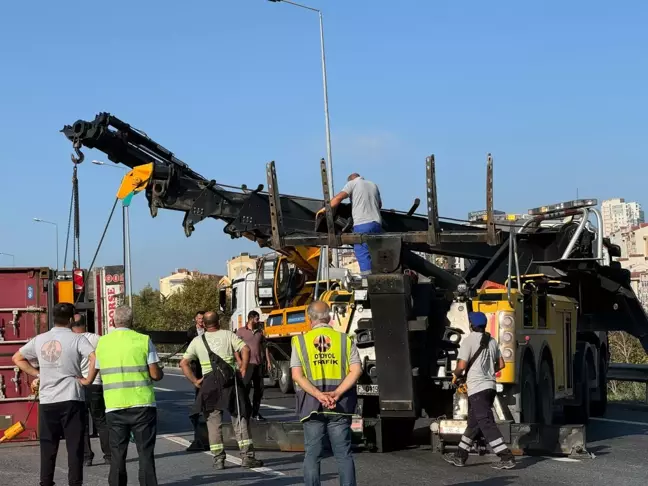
point(325, 368)
point(365, 211)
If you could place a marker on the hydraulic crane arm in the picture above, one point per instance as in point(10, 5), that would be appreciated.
point(246, 213)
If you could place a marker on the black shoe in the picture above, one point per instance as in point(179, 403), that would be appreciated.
point(87, 462)
point(504, 464)
point(195, 446)
point(454, 460)
point(251, 463)
point(107, 460)
point(259, 417)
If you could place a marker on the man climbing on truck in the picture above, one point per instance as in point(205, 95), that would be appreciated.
point(365, 211)
point(479, 359)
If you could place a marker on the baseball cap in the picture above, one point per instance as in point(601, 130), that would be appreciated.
point(477, 319)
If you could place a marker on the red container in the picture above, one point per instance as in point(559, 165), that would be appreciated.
point(26, 297)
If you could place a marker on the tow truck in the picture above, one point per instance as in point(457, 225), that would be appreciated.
point(549, 291)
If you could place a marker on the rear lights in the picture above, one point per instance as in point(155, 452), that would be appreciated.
point(77, 278)
point(507, 335)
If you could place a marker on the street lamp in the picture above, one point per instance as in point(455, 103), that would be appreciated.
point(126, 236)
point(329, 165)
point(38, 220)
point(13, 258)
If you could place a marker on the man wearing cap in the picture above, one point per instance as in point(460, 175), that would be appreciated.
point(480, 382)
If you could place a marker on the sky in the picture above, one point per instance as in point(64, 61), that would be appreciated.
point(556, 91)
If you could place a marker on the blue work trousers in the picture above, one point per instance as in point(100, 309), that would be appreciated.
point(362, 250)
point(338, 429)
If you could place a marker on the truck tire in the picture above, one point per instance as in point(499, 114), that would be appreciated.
point(581, 414)
point(528, 395)
point(395, 434)
point(546, 394)
point(599, 407)
point(285, 378)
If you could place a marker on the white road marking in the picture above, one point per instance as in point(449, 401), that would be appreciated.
point(616, 421)
point(564, 459)
point(234, 460)
point(159, 388)
point(274, 407)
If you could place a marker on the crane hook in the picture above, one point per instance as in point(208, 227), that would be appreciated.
point(77, 148)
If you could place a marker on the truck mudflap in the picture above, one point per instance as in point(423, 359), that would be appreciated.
point(275, 436)
point(522, 439)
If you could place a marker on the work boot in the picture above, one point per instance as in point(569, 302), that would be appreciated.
point(504, 463)
point(219, 463)
point(251, 462)
point(259, 417)
point(454, 459)
point(87, 462)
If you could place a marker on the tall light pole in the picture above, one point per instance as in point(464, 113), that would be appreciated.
point(38, 220)
point(126, 237)
point(329, 164)
point(13, 258)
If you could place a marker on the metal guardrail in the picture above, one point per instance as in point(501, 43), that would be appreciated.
point(629, 372)
point(171, 361)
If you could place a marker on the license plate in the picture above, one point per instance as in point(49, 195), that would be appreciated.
point(452, 427)
point(367, 390)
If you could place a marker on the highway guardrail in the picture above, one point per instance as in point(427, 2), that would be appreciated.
point(629, 372)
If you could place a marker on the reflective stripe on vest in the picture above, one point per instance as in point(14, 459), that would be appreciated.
point(123, 361)
point(324, 354)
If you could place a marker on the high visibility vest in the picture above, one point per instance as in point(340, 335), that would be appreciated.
point(123, 361)
point(324, 354)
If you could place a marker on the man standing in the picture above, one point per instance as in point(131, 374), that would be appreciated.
point(480, 354)
point(61, 413)
point(221, 388)
point(253, 336)
point(365, 211)
point(325, 367)
point(196, 330)
point(95, 405)
point(129, 365)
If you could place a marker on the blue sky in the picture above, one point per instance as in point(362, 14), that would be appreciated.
point(555, 90)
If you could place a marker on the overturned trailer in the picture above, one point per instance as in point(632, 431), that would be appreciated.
point(548, 293)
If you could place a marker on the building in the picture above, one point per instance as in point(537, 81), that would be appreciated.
point(618, 214)
point(174, 282)
point(241, 264)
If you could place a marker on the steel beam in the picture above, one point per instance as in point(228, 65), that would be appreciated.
point(276, 217)
point(490, 222)
point(433, 210)
point(330, 224)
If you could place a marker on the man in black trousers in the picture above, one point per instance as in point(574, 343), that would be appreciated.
point(197, 329)
point(59, 353)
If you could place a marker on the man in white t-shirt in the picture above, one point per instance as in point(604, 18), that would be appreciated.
point(95, 405)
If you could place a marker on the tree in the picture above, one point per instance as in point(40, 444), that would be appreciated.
point(154, 312)
point(626, 349)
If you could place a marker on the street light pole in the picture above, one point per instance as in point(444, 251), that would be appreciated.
point(38, 220)
point(13, 258)
point(329, 161)
point(126, 240)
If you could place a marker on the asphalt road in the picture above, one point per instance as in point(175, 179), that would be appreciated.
point(619, 442)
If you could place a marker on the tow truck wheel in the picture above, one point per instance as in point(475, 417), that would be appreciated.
point(599, 407)
point(285, 378)
point(546, 391)
point(581, 414)
point(528, 395)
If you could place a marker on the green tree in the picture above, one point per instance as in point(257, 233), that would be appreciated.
point(148, 309)
point(625, 348)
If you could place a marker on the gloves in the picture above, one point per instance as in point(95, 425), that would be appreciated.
point(454, 379)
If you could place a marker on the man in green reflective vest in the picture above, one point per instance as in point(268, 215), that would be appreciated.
point(325, 368)
point(129, 365)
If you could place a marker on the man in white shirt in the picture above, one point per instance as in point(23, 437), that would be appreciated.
point(95, 405)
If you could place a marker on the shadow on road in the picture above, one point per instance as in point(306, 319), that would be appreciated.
point(253, 478)
point(496, 481)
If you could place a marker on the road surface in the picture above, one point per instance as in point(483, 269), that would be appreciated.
point(619, 441)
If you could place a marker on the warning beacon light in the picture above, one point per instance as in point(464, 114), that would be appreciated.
point(568, 205)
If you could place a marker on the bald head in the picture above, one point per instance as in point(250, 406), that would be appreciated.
point(211, 321)
point(355, 175)
point(319, 313)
